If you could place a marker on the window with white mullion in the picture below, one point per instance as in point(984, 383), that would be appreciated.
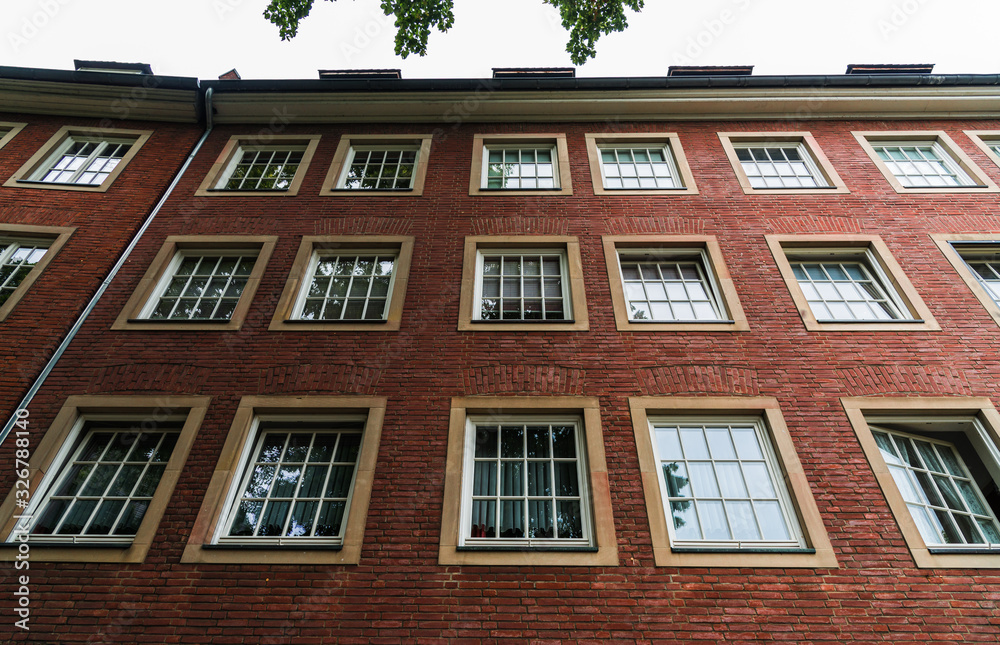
point(943, 498)
point(521, 286)
point(201, 287)
point(297, 486)
point(779, 166)
point(526, 485)
point(17, 258)
point(520, 168)
point(664, 288)
point(721, 486)
point(380, 168)
point(106, 485)
point(83, 161)
point(638, 167)
point(848, 288)
point(921, 165)
point(347, 287)
point(984, 262)
point(262, 168)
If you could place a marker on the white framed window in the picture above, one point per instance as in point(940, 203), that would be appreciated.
point(639, 167)
point(354, 285)
point(983, 260)
point(262, 168)
point(845, 285)
point(525, 483)
point(17, 258)
point(83, 160)
point(380, 168)
point(779, 165)
point(933, 467)
point(721, 485)
point(105, 482)
point(520, 167)
point(522, 285)
point(201, 285)
point(296, 483)
point(670, 285)
point(921, 164)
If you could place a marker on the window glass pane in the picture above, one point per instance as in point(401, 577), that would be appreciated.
point(846, 291)
point(521, 294)
point(388, 169)
point(520, 168)
point(779, 166)
point(360, 294)
point(16, 261)
point(203, 287)
point(635, 163)
point(668, 290)
point(83, 162)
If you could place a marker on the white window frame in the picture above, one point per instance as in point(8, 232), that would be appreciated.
point(872, 265)
point(985, 450)
point(777, 481)
point(68, 450)
point(300, 299)
point(10, 245)
point(553, 150)
point(678, 254)
point(171, 270)
point(54, 158)
point(668, 153)
point(477, 311)
point(527, 543)
point(803, 150)
point(968, 251)
point(349, 161)
point(964, 179)
point(244, 472)
point(242, 150)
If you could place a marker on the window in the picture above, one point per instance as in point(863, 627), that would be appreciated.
point(102, 475)
point(379, 165)
point(275, 165)
point(526, 484)
point(780, 162)
point(639, 164)
point(988, 141)
point(198, 282)
point(671, 283)
point(292, 484)
point(936, 460)
point(519, 282)
point(839, 284)
point(80, 159)
point(348, 282)
point(25, 251)
point(724, 486)
point(976, 257)
point(529, 164)
point(923, 162)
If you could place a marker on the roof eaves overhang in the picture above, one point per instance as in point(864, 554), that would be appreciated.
point(100, 95)
point(452, 101)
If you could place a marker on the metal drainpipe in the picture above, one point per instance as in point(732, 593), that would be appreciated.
point(26, 401)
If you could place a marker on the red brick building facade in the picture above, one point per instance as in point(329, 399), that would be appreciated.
point(530, 360)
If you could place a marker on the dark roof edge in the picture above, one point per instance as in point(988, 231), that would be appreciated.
point(609, 83)
point(100, 78)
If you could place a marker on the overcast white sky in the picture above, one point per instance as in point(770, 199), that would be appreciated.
point(205, 38)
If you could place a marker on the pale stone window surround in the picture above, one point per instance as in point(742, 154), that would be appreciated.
point(988, 141)
point(298, 277)
point(944, 414)
point(49, 154)
point(918, 316)
point(822, 170)
point(603, 550)
point(575, 305)
point(669, 141)
point(131, 318)
point(55, 236)
point(48, 458)
point(202, 545)
point(952, 154)
point(214, 183)
point(9, 130)
point(480, 159)
point(957, 247)
point(816, 550)
point(343, 155)
point(671, 246)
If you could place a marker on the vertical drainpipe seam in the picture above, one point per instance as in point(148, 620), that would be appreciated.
point(26, 401)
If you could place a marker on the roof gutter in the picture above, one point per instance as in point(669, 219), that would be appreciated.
point(33, 390)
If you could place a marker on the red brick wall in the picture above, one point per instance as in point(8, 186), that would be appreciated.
point(398, 593)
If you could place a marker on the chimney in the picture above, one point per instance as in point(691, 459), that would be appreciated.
point(231, 75)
